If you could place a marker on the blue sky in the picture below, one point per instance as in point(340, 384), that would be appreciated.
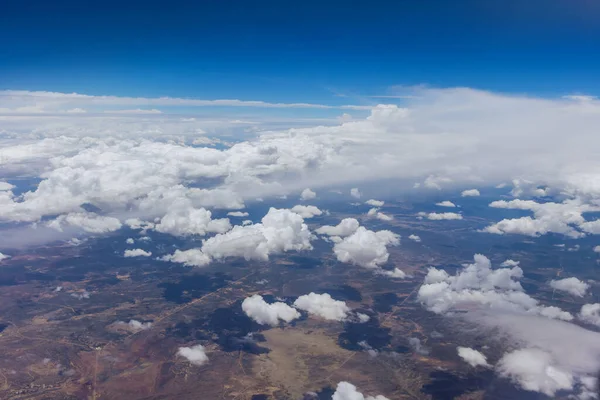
point(299, 51)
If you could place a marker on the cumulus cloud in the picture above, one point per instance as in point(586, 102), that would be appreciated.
point(279, 231)
point(366, 248)
point(81, 295)
point(445, 203)
point(183, 220)
point(470, 193)
point(195, 355)
point(597, 249)
point(237, 214)
point(375, 203)
point(89, 222)
point(510, 263)
point(374, 212)
point(477, 284)
point(472, 357)
point(345, 228)
point(347, 391)
point(129, 241)
point(5, 186)
point(414, 238)
point(137, 253)
point(571, 285)
point(440, 216)
point(590, 313)
point(354, 192)
point(307, 194)
point(565, 218)
point(3, 256)
point(306, 211)
point(268, 314)
point(135, 325)
point(323, 305)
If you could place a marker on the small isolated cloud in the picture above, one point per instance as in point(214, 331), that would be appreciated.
point(366, 248)
point(534, 370)
point(395, 273)
point(417, 346)
point(195, 354)
point(354, 192)
point(440, 216)
point(81, 295)
point(347, 391)
point(590, 313)
point(571, 285)
point(323, 305)
point(472, 357)
point(470, 193)
point(306, 211)
point(237, 214)
point(445, 203)
point(135, 325)
point(137, 253)
point(345, 228)
point(597, 249)
point(415, 238)
point(190, 258)
point(510, 263)
point(3, 256)
point(184, 220)
point(374, 212)
point(307, 194)
point(263, 313)
point(129, 241)
point(375, 203)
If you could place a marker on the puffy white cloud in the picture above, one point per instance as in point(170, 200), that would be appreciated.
point(347, 391)
point(307, 194)
point(590, 313)
point(129, 241)
point(195, 355)
point(374, 212)
point(237, 214)
point(3, 256)
point(548, 217)
point(280, 231)
point(533, 369)
point(137, 253)
point(470, 193)
point(395, 273)
point(571, 285)
point(81, 295)
point(183, 220)
point(136, 325)
point(440, 216)
point(268, 314)
point(5, 186)
point(323, 305)
point(89, 222)
point(345, 228)
point(306, 211)
point(414, 237)
point(375, 203)
point(366, 248)
point(445, 203)
point(472, 357)
point(477, 284)
point(354, 192)
point(597, 249)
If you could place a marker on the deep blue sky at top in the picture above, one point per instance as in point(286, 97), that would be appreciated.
point(298, 50)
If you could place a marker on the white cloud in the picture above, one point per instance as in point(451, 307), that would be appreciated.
point(597, 249)
point(280, 231)
point(347, 391)
point(472, 357)
point(470, 193)
point(307, 194)
point(237, 214)
point(81, 295)
point(354, 192)
point(136, 325)
point(268, 314)
point(134, 111)
point(477, 284)
point(590, 313)
point(395, 273)
point(440, 216)
point(345, 228)
point(366, 248)
point(571, 285)
point(3, 256)
point(510, 263)
point(374, 212)
point(195, 354)
point(534, 370)
point(89, 222)
point(306, 211)
point(415, 238)
point(137, 253)
point(129, 241)
point(445, 203)
point(323, 305)
point(375, 203)
point(184, 220)
point(5, 186)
